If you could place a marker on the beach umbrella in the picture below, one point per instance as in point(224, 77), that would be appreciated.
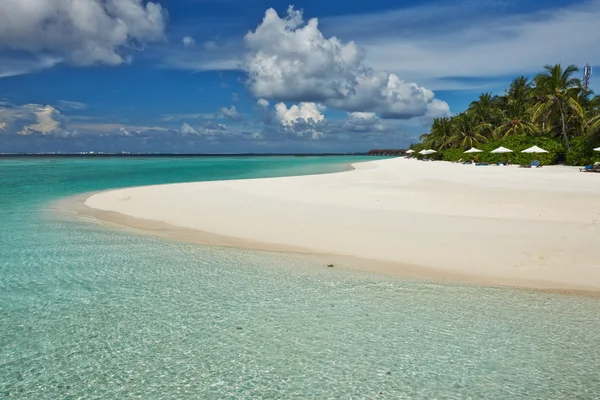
point(534, 149)
point(430, 151)
point(597, 149)
point(501, 150)
point(424, 152)
point(410, 151)
point(473, 150)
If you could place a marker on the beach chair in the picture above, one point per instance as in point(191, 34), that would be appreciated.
point(482, 164)
point(534, 164)
point(591, 168)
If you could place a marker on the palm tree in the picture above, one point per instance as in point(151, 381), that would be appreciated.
point(467, 131)
point(515, 122)
point(592, 125)
point(487, 112)
point(519, 94)
point(558, 91)
point(440, 131)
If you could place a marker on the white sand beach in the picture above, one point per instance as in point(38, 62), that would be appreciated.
point(504, 225)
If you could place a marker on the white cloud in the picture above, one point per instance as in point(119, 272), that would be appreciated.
point(262, 103)
point(357, 115)
point(47, 121)
point(364, 122)
point(82, 32)
point(32, 119)
point(430, 43)
point(305, 112)
point(188, 41)
point(435, 109)
point(292, 61)
point(186, 129)
point(235, 97)
point(231, 113)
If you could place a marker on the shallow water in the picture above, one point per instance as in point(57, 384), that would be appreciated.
point(91, 312)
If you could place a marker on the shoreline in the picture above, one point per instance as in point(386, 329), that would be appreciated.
point(286, 206)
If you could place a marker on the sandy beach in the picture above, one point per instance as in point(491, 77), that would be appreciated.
point(535, 228)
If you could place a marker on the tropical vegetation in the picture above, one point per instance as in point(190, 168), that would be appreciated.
point(552, 111)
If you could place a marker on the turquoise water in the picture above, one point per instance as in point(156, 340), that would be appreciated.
point(90, 312)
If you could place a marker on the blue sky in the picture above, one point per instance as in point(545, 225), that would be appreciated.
point(259, 76)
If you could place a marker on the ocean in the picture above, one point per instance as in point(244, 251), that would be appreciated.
point(88, 311)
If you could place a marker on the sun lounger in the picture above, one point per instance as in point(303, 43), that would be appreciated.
point(534, 164)
point(590, 168)
point(482, 164)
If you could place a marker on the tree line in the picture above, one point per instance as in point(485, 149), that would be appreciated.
point(552, 109)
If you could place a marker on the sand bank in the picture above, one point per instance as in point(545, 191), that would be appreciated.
point(536, 228)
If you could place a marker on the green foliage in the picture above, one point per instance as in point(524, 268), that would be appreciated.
point(454, 155)
point(555, 148)
point(582, 152)
point(552, 111)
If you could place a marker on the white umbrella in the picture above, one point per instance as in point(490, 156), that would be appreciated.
point(597, 149)
point(430, 151)
point(501, 150)
point(410, 151)
point(473, 150)
point(534, 149)
point(423, 152)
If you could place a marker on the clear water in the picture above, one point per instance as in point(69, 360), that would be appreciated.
point(90, 312)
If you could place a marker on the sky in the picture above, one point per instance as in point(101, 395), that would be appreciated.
point(241, 76)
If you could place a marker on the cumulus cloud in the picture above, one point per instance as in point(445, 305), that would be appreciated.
point(188, 41)
point(364, 122)
point(262, 103)
point(305, 112)
point(187, 129)
point(435, 109)
point(231, 113)
point(290, 60)
point(48, 121)
point(82, 32)
point(32, 119)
